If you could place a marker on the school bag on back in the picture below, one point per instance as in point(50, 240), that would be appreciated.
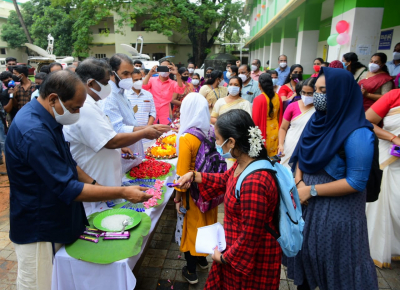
point(207, 160)
point(291, 223)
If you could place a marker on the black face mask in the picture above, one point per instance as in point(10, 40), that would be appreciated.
point(185, 79)
point(297, 76)
point(208, 76)
point(16, 79)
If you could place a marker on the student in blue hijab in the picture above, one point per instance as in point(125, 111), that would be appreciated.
point(335, 253)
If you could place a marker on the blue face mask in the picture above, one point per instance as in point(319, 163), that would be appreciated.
point(221, 152)
point(344, 65)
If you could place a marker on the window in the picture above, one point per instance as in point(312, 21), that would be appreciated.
point(2, 51)
point(104, 30)
point(100, 55)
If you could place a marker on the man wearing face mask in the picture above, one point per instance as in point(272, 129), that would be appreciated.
point(226, 79)
point(23, 91)
point(138, 64)
point(255, 69)
point(118, 108)
point(46, 185)
point(394, 65)
point(250, 88)
point(162, 88)
point(142, 102)
point(283, 70)
point(94, 144)
point(39, 79)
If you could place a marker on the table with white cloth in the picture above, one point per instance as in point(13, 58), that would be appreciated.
point(72, 274)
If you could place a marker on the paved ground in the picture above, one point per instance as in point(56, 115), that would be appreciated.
point(161, 267)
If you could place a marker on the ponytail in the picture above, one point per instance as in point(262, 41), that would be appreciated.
point(265, 81)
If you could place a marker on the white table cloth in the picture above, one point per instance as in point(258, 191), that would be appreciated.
point(72, 274)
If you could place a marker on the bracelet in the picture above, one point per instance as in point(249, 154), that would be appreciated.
point(394, 136)
point(222, 259)
point(299, 182)
point(177, 201)
point(94, 181)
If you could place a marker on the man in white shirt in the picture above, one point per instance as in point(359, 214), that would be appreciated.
point(94, 144)
point(142, 102)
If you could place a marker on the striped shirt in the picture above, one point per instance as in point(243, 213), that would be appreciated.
point(144, 104)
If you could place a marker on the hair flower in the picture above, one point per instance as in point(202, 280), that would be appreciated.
point(256, 141)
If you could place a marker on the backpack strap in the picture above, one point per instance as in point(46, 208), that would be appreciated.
point(197, 133)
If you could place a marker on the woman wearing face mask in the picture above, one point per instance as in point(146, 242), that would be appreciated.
point(196, 82)
point(350, 62)
point(294, 120)
point(335, 254)
point(212, 90)
point(267, 113)
point(195, 115)
point(295, 75)
point(178, 98)
point(232, 101)
point(274, 76)
point(377, 81)
point(209, 70)
point(232, 72)
point(317, 66)
point(252, 257)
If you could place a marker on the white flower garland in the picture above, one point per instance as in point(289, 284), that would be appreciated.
point(256, 141)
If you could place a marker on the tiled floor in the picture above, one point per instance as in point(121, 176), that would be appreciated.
point(162, 264)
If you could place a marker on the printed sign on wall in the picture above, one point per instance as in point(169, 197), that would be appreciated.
point(385, 41)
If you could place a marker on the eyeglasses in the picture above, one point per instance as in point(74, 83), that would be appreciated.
point(308, 94)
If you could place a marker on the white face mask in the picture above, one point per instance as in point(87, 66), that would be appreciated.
point(243, 77)
point(396, 55)
point(164, 74)
point(227, 68)
point(191, 70)
point(195, 82)
point(233, 91)
point(125, 84)
point(138, 85)
point(105, 90)
point(253, 67)
point(228, 75)
point(373, 67)
point(274, 82)
point(221, 83)
point(283, 64)
point(67, 118)
point(307, 100)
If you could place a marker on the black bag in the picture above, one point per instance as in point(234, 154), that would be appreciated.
point(375, 175)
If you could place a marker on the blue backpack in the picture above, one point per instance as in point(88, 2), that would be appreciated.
point(291, 223)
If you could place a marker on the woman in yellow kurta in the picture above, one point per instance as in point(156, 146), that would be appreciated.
point(267, 113)
point(194, 113)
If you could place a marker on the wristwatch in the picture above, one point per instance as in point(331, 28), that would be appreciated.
point(313, 191)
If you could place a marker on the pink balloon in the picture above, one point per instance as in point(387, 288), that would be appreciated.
point(342, 26)
point(343, 38)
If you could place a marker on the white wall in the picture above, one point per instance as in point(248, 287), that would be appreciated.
point(307, 49)
point(274, 54)
point(288, 48)
point(266, 54)
point(365, 24)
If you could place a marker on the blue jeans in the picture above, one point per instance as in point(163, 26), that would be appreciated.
point(2, 139)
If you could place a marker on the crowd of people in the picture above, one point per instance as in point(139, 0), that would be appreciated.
point(67, 129)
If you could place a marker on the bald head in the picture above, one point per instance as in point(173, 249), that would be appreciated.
point(65, 84)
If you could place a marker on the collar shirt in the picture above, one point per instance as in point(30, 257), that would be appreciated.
point(394, 69)
point(282, 75)
point(250, 91)
point(43, 180)
point(118, 108)
point(162, 91)
point(35, 95)
point(21, 96)
point(143, 104)
point(255, 76)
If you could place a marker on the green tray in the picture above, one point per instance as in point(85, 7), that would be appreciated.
point(109, 251)
point(159, 201)
point(136, 217)
point(162, 177)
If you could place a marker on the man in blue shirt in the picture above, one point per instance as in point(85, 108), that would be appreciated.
point(283, 70)
point(46, 185)
point(250, 88)
point(394, 65)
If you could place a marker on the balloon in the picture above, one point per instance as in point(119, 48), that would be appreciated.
point(343, 38)
point(258, 15)
point(263, 6)
point(255, 18)
point(332, 39)
point(342, 26)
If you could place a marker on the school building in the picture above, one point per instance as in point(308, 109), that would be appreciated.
point(300, 29)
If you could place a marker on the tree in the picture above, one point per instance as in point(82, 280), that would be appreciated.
point(21, 20)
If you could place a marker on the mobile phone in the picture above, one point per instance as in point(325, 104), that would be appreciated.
point(162, 68)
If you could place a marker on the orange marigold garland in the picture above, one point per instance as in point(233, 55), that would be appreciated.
point(161, 152)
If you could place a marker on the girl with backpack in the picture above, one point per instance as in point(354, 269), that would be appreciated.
point(252, 259)
point(335, 253)
point(194, 115)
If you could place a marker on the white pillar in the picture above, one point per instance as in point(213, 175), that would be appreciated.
point(365, 28)
point(274, 54)
point(307, 46)
point(288, 48)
